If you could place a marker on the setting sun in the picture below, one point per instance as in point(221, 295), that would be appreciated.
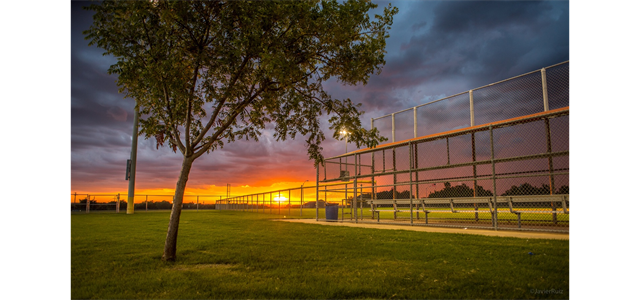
point(280, 199)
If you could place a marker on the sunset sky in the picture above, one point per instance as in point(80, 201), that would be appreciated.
point(435, 49)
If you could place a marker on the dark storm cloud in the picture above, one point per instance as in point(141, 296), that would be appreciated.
point(98, 113)
point(444, 48)
point(486, 40)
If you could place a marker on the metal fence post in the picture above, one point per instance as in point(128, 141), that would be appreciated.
point(471, 111)
point(301, 199)
point(197, 203)
point(552, 184)
point(475, 173)
point(415, 166)
point(88, 203)
point(361, 200)
point(545, 94)
point(415, 122)
point(493, 176)
point(354, 205)
point(410, 184)
point(344, 203)
point(393, 127)
point(118, 203)
point(373, 183)
point(146, 202)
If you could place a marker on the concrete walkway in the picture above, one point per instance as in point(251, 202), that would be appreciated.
point(502, 233)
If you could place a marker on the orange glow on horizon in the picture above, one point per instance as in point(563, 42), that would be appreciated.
point(211, 190)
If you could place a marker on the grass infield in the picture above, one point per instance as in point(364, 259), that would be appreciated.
point(236, 255)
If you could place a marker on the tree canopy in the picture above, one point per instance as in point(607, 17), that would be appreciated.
point(208, 72)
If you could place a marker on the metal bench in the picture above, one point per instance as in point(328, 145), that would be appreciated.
point(424, 203)
point(511, 200)
point(395, 202)
point(374, 207)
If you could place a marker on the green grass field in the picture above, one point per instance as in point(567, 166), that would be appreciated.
point(236, 255)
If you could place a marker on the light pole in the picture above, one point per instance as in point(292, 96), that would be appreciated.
point(346, 138)
point(132, 175)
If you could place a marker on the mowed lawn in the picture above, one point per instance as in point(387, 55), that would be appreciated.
point(241, 255)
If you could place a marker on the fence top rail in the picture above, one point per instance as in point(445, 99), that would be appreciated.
point(474, 89)
point(455, 132)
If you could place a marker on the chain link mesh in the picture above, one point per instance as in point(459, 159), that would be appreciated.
point(449, 114)
point(509, 99)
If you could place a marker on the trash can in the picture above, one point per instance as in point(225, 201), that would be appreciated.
point(331, 212)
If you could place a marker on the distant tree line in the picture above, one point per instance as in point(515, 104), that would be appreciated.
point(528, 189)
point(465, 191)
point(459, 191)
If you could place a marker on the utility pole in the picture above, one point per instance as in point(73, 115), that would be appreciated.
point(134, 152)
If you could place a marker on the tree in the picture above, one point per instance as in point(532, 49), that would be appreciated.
point(208, 72)
point(527, 189)
point(459, 191)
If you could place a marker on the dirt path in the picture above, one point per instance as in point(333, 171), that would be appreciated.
point(502, 233)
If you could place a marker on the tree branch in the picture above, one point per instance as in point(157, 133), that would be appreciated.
point(222, 101)
point(189, 104)
point(230, 119)
point(172, 125)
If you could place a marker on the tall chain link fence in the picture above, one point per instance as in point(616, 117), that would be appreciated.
point(511, 174)
point(443, 169)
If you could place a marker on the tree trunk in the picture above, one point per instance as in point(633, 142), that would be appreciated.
point(172, 233)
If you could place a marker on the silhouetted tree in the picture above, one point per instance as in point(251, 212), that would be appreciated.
point(527, 189)
point(459, 191)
